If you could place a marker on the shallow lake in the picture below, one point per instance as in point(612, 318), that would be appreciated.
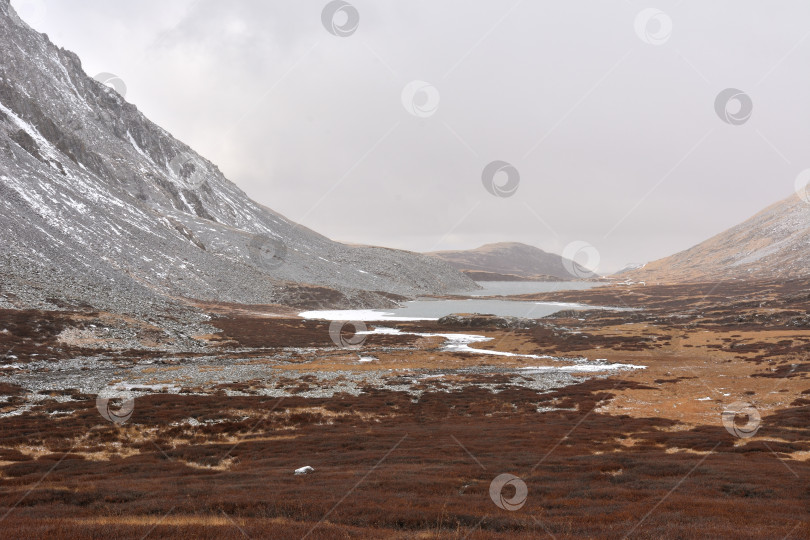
point(428, 309)
point(508, 288)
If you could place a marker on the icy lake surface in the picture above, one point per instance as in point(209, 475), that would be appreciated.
point(435, 309)
point(507, 288)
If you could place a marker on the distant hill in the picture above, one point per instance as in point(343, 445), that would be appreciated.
point(773, 244)
point(507, 261)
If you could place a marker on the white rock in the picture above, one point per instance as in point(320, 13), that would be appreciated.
point(304, 470)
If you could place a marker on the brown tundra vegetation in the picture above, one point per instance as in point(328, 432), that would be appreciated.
point(629, 454)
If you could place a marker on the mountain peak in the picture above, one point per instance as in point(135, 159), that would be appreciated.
point(8, 10)
point(504, 246)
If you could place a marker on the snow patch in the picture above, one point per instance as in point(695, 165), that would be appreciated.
point(359, 315)
point(461, 343)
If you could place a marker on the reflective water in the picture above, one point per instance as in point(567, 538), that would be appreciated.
point(434, 309)
point(508, 288)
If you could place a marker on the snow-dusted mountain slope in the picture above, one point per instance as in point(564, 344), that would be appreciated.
point(98, 205)
point(773, 244)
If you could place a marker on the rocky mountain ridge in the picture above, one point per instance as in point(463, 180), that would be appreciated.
point(101, 207)
point(773, 244)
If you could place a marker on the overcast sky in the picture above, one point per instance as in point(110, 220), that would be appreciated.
point(606, 111)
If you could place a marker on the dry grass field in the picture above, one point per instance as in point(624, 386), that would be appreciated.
point(635, 454)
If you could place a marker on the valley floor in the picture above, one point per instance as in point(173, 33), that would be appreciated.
point(407, 437)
